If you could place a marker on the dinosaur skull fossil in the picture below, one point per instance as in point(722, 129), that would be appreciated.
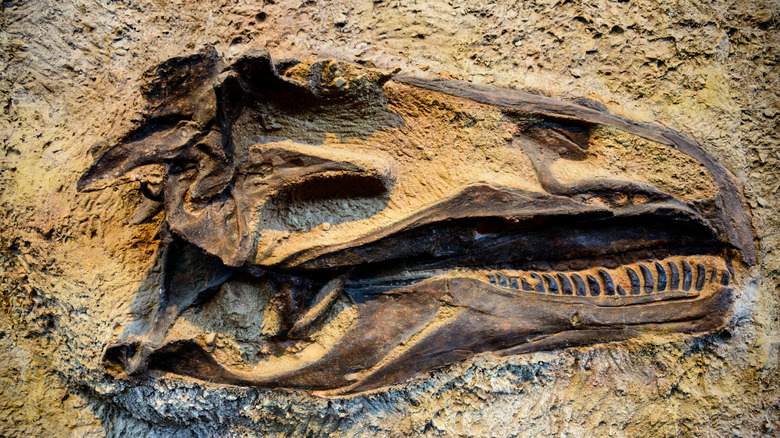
point(427, 221)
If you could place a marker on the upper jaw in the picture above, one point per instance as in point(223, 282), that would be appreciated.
point(488, 226)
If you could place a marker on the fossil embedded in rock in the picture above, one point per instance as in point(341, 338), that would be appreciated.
point(400, 224)
point(579, 284)
point(675, 275)
point(635, 287)
point(659, 269)
point(594, 286)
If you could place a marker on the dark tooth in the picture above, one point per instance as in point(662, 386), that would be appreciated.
point(687, 277)
point(579, 285)
point(635, 287)
point(648, 278)
point(552, 285)
point(540, 284)
point(701, 275)
point(675, 276)
point(621, 291)
point(566, 287)
point(492, 279)
point(609, 286)
point(526, 287)
point(714, 275)
point(593, 284)
point(661, 277)
point(501, 279)
point(724, 279)
point(513, 283)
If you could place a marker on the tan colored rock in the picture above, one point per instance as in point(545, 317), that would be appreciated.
point(74, 266)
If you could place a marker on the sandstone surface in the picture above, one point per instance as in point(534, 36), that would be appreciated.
point(71, 263)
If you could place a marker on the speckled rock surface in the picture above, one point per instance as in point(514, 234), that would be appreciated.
point(70, 263)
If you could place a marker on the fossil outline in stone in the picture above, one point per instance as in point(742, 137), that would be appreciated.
point(216, 182)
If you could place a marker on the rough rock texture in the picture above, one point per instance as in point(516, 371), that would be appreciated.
point(71, 263)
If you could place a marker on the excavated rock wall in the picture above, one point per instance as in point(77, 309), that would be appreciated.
point(71, 264)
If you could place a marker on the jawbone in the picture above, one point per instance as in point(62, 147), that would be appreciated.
point(521, 256)
point(447, 318)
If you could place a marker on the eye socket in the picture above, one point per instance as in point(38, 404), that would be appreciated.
point(332, 200)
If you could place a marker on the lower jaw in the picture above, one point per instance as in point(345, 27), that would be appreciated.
point(466, 312)
point(650, 280)
point(635, 283)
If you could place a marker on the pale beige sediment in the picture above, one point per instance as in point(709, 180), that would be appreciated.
point(73, 268)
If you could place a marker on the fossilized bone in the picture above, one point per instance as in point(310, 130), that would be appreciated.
point(483, 266)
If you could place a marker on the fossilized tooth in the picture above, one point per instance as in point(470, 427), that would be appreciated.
point(484, 267)
point(566, 286)
point(501, 279)
point(609, 286)
point(540, 282)
point(661, 277)
point(579, 285)
point(647, 279)
point(687, 275)
point(701, 276)
point(675, 276)
point(635, 287)
point(594, 286)
point(552, 284)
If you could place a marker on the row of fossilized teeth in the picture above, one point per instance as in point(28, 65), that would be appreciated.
point(641, 278)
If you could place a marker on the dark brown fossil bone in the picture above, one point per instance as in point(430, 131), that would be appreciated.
point(485, 267)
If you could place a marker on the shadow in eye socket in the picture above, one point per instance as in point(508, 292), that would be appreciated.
point(334, 200)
